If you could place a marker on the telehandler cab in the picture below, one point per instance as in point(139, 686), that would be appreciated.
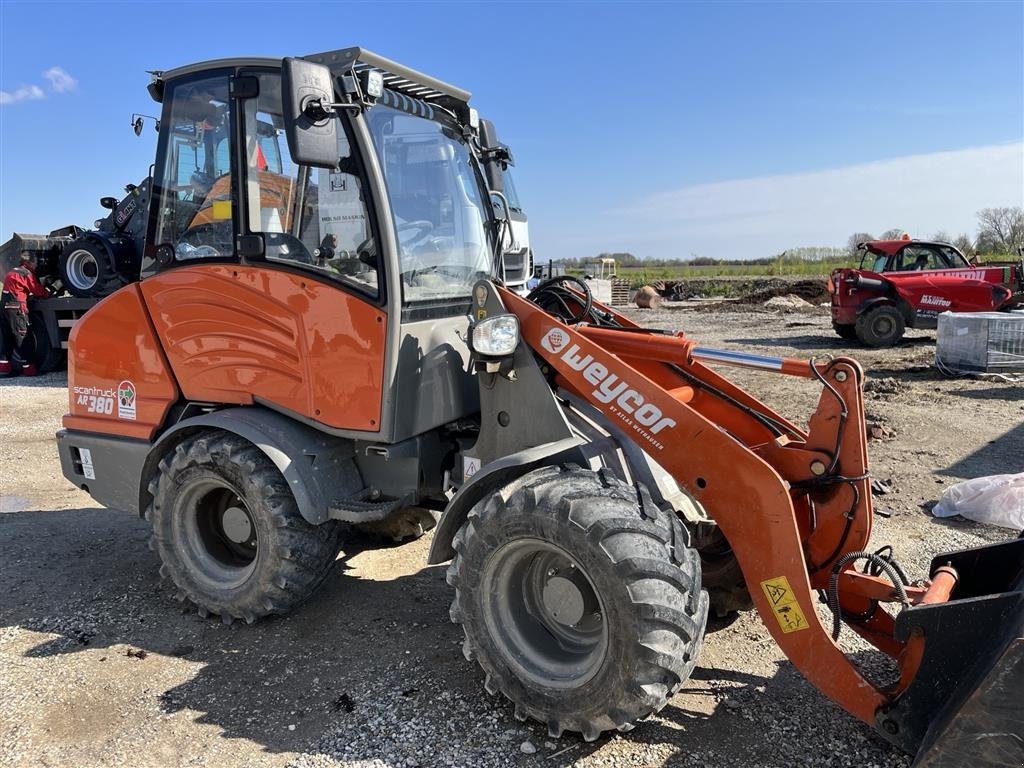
point(319, 337)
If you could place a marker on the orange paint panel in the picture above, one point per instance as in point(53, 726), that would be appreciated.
point(239, 334)
point(118, 378)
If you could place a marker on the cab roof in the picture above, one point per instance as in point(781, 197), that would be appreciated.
point(892, 247)
point(397, 77)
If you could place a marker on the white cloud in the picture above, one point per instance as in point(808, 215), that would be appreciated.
point(748, 218)
point(60, 81)
point(24, 93)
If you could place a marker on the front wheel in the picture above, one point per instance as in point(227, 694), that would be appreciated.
point(579, 598)
point(845, 331)
point(229, 533)
point(881, 326)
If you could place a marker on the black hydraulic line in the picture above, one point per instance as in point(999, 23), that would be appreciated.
point(889, 568)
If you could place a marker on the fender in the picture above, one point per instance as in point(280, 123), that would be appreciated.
point(897, 301)
point(319, 468)
point(490, 478)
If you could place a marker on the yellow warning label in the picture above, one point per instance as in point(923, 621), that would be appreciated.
point(787, 610)
point(221, 209)
point(481, 314)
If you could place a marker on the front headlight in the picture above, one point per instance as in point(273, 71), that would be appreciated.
point(496, 336)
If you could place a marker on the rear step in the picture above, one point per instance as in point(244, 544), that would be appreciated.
point(965, 705)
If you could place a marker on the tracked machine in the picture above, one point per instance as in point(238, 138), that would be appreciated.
point(320, 338)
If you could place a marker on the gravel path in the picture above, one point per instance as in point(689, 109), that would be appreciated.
point(99, 666)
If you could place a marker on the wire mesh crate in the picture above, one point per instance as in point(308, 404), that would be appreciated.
point(988, 342)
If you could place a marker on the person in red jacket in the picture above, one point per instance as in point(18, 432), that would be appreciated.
point(20, 283)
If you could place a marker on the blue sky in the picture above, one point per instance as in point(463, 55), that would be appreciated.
point(730, 129)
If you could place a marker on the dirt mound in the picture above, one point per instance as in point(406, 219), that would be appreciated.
point(813, 291)
point(789, 301)
point(749, 290)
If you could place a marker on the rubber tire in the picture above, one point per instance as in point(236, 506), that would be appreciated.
point(720, 572)
point(871, 336)
point(845, 331)
point(293, 556)
point(108, 279)
point(37, 348)
point(638, 560)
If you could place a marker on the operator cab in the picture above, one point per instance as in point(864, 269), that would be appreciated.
point(395, 212)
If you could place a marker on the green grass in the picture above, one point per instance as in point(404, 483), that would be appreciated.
point(640, 275)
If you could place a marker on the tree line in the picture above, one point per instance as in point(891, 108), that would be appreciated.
point(1000, 231)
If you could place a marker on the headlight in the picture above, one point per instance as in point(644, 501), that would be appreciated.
point(496, 336)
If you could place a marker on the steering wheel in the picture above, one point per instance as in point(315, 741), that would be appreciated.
point(422, 227)
point(209, 235)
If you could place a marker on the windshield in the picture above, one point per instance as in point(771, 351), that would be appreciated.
point(510, 192)
point(438, 209)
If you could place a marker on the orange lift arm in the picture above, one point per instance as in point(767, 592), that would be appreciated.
point(792, 504)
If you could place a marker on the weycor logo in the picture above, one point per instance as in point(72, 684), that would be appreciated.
point(625, 402)
point(554, 340)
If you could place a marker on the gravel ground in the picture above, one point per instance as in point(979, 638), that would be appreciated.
point(99, 666)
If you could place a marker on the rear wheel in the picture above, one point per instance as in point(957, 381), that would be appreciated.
point(37, 348)
point(845, 331)
point(880, 327)
point(579, 598)
point(229, 533)
point(87, 269)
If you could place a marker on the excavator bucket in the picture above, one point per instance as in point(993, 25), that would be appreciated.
point(965, 705)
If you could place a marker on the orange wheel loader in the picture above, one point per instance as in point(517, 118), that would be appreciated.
point(319, 339)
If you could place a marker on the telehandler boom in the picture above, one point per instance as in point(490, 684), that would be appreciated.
point(320, 338)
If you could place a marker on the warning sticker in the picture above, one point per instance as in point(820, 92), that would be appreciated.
point(784, 604)
point(88, 472)
point(126, 400)
point(470, 466)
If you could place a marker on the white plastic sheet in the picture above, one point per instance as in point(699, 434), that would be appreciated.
point(996, 500)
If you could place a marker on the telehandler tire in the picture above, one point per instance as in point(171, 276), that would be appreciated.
point(229, 533)
point(579, 598)
point(880, 327)
point(846, 331)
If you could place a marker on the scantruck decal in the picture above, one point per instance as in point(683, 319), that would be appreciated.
point(623, 401)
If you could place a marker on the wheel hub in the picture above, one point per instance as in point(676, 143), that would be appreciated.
point(82, 269)
point(563, 600)
point(236, 524)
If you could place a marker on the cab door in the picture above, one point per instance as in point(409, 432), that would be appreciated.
point(264, 286)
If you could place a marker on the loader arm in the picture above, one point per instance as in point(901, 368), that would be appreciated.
point(794, 506)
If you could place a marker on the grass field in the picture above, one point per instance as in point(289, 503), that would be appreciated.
point(640, 274)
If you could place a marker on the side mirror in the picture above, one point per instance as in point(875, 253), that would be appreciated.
point(309, 123)
point(493, 165)
point(110, 203)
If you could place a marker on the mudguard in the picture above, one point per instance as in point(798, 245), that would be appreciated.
point(492, 477)
point(317, 466)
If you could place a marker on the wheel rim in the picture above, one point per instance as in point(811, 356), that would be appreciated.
point(543, 613)
point(220, 535)
point(83, 270)
point(883, 326)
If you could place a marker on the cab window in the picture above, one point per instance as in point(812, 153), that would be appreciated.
point(914, 258)
point(195, 193)
point(312, 218)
